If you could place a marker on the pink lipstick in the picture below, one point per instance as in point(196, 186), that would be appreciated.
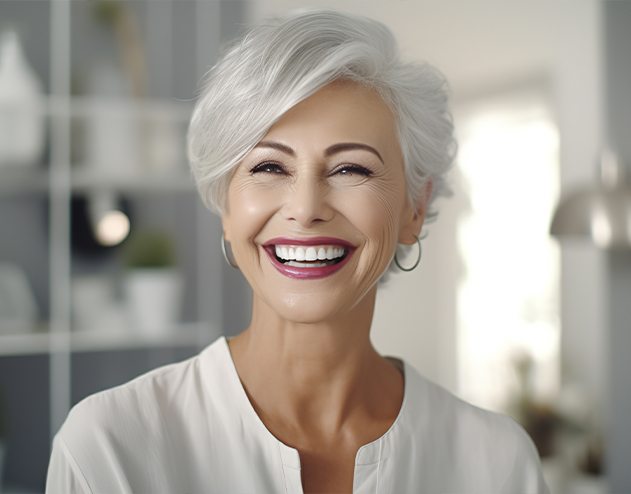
point(308, 258)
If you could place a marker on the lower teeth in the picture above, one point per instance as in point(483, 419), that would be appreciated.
point(309, 264)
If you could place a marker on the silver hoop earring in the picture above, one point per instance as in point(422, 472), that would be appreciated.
point(418, 241)
point(225, 253)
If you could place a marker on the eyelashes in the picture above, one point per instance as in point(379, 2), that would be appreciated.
point(350, 170)
point(268, 167)
point(346, 170)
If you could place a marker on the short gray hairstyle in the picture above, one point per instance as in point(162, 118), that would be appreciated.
point(283, 61)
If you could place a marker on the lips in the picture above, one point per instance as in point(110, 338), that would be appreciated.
point(310, 258)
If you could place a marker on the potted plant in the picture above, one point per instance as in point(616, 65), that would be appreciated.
point(153, 285)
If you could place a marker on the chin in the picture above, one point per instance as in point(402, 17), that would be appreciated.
point(308, 308)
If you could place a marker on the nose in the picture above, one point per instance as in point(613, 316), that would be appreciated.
point(307, 202)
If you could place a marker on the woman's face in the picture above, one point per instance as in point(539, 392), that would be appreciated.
point(317, 207)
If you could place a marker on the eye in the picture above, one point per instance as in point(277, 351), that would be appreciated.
point(268, 167)
point(352, 170)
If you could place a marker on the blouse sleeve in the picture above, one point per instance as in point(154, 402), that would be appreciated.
point(64, 475)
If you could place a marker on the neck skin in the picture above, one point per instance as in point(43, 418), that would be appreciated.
point(321, 380)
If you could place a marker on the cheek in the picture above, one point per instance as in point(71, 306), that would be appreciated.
point(250, 208)
point(376, 210)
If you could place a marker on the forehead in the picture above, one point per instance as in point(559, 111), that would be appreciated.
point(341, 111)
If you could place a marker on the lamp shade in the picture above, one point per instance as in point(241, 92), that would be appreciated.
point(600, 213)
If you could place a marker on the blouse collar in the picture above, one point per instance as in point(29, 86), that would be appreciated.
point(225, 370)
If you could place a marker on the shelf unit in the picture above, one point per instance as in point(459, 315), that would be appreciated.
point(181, 335)
point(43, 373)
point(64, 175)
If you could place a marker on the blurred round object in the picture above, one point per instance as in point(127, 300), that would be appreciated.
point(85, 226)
point(112, 228)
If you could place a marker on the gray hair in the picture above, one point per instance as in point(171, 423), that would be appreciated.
point(283, 61)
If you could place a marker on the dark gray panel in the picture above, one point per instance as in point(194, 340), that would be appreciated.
point(24, 386)
point(618, 456)
point(24, 241)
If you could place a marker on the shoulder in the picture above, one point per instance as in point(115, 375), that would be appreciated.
point(137, 403)
point(142, 436)
point(149, 405)
point(118, 438)
point(491, 447)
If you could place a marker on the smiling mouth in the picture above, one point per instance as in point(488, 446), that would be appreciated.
point(313, 256)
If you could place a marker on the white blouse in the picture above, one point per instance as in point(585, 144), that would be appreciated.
point(190, 428)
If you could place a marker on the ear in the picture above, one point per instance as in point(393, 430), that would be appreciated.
point(413, 222)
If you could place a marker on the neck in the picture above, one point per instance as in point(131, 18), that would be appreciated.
point(311, 375)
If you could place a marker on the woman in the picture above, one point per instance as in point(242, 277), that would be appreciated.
point(321, 151)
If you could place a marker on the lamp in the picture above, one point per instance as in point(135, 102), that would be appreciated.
point(601, 212)
point(110, 225)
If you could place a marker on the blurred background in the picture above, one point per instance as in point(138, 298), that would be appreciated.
point(110, 265)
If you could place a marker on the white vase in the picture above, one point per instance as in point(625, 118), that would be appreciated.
point(22, 130)
point(154, 296)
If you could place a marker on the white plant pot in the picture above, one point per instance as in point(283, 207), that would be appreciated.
point(154, 296)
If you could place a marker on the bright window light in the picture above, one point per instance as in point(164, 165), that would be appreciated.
point(508, 304)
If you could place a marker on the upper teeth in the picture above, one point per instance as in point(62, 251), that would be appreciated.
point(313, 253)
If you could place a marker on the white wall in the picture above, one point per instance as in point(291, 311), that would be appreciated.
point(483, 46)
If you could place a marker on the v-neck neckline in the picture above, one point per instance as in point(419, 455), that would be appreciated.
point(370, 453)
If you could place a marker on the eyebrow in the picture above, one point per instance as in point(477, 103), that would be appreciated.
point(347, 146)
point(331, 150)
point(276, 145)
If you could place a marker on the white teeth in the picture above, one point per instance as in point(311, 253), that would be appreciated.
point(311, 254)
